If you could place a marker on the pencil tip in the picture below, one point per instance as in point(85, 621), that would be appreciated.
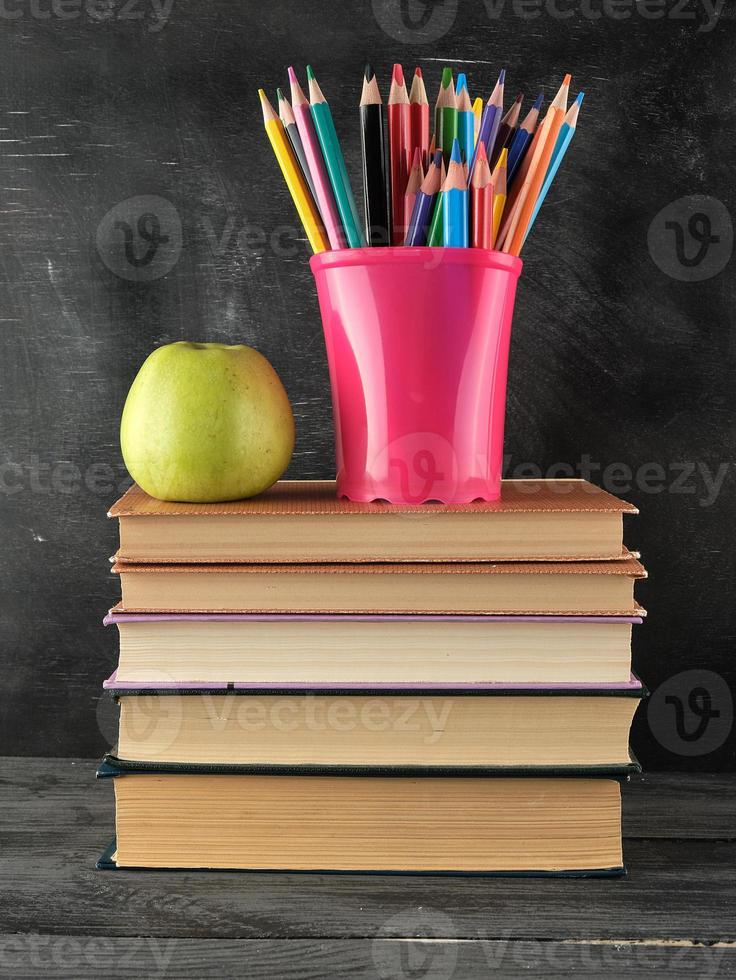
point(292, 75)
point(418, 71)
point(368, 73)
point(503, 158)
point(262, 95)
point(280, 95)
point(437, 158)
point(462, 82)
point(580, 97)
point(481, 151)
point(455, 155)
point(446, 77)
point(310, 74)
point(538, 101)
point(417, 161)
point(519, 97)
point(398, 74)
point(567, 79)
point(502, 76)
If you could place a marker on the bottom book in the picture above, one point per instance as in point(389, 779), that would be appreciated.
point(387, 823)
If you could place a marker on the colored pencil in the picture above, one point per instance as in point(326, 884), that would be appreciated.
point(507, 129)
point(290, 127)
point(335, 163)
point(563, 142)
point(399, 135)
point(523, 137)
point(478, 113)
point(419, 116)
point(465, 125)
point(549, 131)
point(305, 206)
point(416, 176)
point(522, 172)
point(481, 201)
point(432, 147)
point(442, 96)
point(491, 119)
point(313, 153)
point(499, 191)
point(434, 235)
point(424, 203)
point(455, 203)
point(448, 121)
point(375, 185)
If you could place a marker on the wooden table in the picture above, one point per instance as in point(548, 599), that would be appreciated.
point(672, 916)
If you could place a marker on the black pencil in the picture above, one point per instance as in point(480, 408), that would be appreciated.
point(375, 187)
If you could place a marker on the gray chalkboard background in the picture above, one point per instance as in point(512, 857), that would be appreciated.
point(623, 353)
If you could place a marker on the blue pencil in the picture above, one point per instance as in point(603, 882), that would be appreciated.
point(564, 139)
point(490, 121)
point(455, 203)
point(422, 214)
point(523, 137)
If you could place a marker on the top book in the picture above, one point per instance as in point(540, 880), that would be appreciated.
point(304, 521)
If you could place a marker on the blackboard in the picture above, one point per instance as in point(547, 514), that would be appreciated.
point(623, 352)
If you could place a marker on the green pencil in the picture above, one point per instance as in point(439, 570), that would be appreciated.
point(335, 164)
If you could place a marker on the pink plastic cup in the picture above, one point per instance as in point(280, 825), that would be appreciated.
point(417, 346)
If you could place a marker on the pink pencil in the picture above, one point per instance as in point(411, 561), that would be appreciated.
point(313, 153)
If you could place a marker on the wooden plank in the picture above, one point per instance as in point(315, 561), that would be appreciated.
point(56, 821)
point(81, 957)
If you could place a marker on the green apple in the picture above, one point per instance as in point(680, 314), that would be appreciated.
point(206, 422)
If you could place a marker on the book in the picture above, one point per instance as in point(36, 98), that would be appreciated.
point(483, 726)
point(353, 650)
point(367, 823)
point(305, 521)
point(526, 588)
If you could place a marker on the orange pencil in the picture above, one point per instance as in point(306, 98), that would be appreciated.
point(514, 225)
point(399, 135)
point(481, 203)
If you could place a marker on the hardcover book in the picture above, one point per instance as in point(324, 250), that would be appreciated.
point(304, 521)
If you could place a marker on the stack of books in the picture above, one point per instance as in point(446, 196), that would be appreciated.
point(307, 683)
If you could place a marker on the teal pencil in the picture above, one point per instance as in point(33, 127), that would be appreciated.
point(455, 203)
point(564, 139)
point(335, 163)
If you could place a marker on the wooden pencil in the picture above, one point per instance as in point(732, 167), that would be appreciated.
point(399, 135)
point(445, 84)
point(436, 230)
point(498, 180)
point(481, 203)
point(491, 119)
point(507, 129)
point(478, 113)
point(305, 206)
point(313, 153)
point(514, 238)
point(455, 202)
point(465, 125)
point(335, 163)
point(288, 121)
point(564, 139)
point(375, 184)
point(522, 137)
point(419, 117)
point(448, 121)
point(423, 205)
point(416, 176)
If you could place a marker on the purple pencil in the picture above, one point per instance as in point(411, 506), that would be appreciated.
point(423, 203)
point(490, 121)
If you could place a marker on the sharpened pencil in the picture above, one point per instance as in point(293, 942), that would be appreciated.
point(375, 184)
point(305, 206)
point(507, 129)
point(455, 203)
point(313, 153)
point(416, 176)
point(491, 119)
point(498, 180)
point(465, 125)
point(436, 230)
point(419, 117)
point(335, 163)
point(478, 113)
point(421, 215)
point(399, 135)
point(288, 121)
point(523, 136)
point(563, 142)
point(481, 203)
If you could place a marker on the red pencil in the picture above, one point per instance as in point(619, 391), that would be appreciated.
point(416, 176)
point(481, 202)
point(399, 136)
point(419, 114)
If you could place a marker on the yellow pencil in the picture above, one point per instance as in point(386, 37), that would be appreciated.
point(293, 176)
point(499, 191)
point(477, 114)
